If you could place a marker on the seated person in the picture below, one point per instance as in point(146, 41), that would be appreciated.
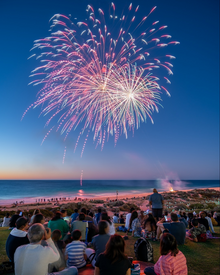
point(34, 258)
point(14, 218)
point(203, 220)
point(93, 230)
point(75, 253)
point(75, 215)
point(135, 224)
point(17, 237)
point(150, 226)
point(60, 245)
point(105, 217)
point(189, 219)
point(209, 222)
point(99, 241)
point(175, 227)
point(113, 260)
point(115, 218)
point(121, 220)
point(196, 231)
point(171, 261)
point(57, 222)
point(81, 225)
point(6, 221)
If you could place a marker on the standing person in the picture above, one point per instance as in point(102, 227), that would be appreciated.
point(98, 215)
point(57, 222)
point(171, 261)
point(34, 258)
point(113, 260)
point(17, 237)
point(156, 202)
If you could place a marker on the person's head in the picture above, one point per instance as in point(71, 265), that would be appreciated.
point(166, 213)
point(21, 223)
point(91, 214)
point(105, 217)
point(36, 211)
point(99, 210)
point(202, 215)
point(190, 215)
point(195, 222)
point(18, 212)
point(83, 210)
point(131, 209)
point(121, 216)
point(174, 217)
point(39, 218)
point(168, 244)
point(7, 215)
point(56, 235)
point(57, 216)
point(134, 215)
point(63, 212)
point(76, 210)
point(36, 233)
point(115, 248)
point(103, 227)
point(82, 216)
point(76, 235)
point(155, 190)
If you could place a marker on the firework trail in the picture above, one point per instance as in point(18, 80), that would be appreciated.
point(81, 178)
point(100, 73)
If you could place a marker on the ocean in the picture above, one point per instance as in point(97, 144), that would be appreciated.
point(30, 190)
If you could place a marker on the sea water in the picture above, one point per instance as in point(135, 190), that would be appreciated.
point(15, 190)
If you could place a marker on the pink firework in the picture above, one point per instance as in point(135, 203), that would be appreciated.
point(100, 74)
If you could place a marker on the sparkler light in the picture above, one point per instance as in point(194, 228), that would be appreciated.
point(99, 74)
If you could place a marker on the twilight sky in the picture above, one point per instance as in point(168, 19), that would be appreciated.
point(182, 143)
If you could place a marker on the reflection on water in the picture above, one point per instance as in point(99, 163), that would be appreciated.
point(80, 192)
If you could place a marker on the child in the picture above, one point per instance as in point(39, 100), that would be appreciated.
point(76, 251)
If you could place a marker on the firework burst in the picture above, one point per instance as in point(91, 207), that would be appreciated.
point(101, 76)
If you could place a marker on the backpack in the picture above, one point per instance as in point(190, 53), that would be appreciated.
point(143, 250)
point(202, 238)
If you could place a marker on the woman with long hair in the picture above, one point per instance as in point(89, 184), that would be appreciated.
point(135, 224)
point(172, 261)
point(113, 260)
point(105, 217)
point(150, 226)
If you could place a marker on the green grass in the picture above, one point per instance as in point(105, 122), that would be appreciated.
point(202, 258)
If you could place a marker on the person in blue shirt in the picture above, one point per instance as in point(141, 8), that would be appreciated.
point(98, 215)
point(156, 201)
point(75, 215)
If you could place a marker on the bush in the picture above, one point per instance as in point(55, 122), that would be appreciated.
point(127, 207)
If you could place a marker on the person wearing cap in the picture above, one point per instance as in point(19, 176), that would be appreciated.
point(156, 201)
point(17, 237)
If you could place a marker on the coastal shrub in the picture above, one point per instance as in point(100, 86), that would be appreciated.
point(115, 203)
point(196, 206)
point(127, 207)
point(96, 201)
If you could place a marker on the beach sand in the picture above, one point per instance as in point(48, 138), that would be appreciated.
point(126, 197)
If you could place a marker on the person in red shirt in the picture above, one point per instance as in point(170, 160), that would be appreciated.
point(172, 261)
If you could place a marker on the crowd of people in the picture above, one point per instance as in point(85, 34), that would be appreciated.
point(65, 244)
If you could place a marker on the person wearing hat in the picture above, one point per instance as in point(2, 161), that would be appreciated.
point(156, 201)
point(17, 237)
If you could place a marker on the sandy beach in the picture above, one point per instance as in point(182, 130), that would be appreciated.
point(140, 199)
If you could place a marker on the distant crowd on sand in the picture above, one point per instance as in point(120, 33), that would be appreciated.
point(65, 244)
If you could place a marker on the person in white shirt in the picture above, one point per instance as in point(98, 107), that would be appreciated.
point(127, 220)
point(115, 218)
point(209, 222)
point(34, 258)
point(6, 221)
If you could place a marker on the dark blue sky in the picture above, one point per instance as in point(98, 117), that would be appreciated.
point(184, 140)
